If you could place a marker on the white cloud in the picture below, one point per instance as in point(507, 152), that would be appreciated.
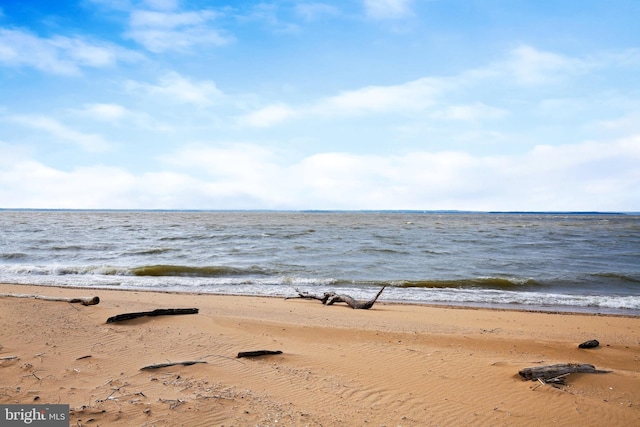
point(528, 66)
point(87, 141)
point(626, 57)
point(474, 112)
point(524, 67)
point(532, 66)
point(416, 95)
point(58, 55)
point(629, 123)
point(388, 9)
point(586, 176)
point(267, 14)
point(176, 88)
point(117, 115)
point(268, 116)
point(410, 96)
point(154, 19)
point(233, 163)
point(13, 153)
point(313, 11)
point(26, 183)
point(106, 112)
point(174, 31)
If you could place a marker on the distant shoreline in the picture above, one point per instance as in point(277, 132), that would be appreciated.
point(326, 211)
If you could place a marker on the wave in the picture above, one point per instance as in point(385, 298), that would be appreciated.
point(501, 283)
point(13, 255)
point(159, 270)
point(295, 235)
point(162, 270)
point(58, 270)
point(617, 276)
point(151, 251)
point(523, 299)
point(497, 292)
point(612, 283)
point(68, 247)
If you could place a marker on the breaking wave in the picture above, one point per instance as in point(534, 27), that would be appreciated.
point(188, 271)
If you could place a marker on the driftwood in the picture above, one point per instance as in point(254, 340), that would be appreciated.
point(82, 300)
point(164, 365)
point(156, 312)
point(330, 298)
point(257, 353)
point(551, 372)
point(9, 358)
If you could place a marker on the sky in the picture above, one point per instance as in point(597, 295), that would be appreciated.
point(508, 105)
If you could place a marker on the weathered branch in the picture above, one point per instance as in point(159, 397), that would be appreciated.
point(156, 312)
point(330, 298)
point(164, 365)
point(9, 358)
point(257, 353)
point(307, 295)
point(550, 372)
point(82, 300)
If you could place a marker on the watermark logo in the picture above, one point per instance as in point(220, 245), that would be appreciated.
point(34, 415)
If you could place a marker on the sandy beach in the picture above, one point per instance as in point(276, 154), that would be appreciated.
point(392, 365)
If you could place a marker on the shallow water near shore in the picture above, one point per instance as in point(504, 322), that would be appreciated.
point(552, 261)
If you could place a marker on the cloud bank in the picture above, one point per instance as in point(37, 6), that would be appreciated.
point(571, 177)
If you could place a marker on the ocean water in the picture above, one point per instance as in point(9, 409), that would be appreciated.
point(557, 262)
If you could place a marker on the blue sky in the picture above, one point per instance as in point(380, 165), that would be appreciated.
point(363, 104)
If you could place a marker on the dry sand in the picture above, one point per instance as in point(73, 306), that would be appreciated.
point(393, 365)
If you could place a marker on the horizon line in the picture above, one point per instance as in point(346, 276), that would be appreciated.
point(425, 211)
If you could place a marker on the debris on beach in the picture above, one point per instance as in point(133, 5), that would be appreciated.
point(330, 298)
point(164, 365)
point(156, 312)
point(81, 300)
point(257, 353)
point(556, 374)
point(589, 344)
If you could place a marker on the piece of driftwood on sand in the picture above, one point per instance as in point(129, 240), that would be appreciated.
point(330, 298)
point(164, 365)
point(257, 353)
point(8, 358)
point(81, 300)
point(156, 312)
point(549, 372)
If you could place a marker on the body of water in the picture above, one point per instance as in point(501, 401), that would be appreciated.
point(565, 262)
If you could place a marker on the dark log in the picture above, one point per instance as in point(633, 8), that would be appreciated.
point(549, 372)
point(164, 365)
point(81, 300)
point(257, 353)
point(589, 344)
point(330, 298)
point(156, 312)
